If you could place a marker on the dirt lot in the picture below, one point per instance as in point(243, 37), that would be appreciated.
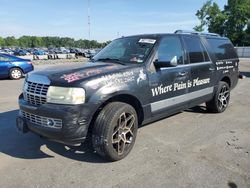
point(190, 149)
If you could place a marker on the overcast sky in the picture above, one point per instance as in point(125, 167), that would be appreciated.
point(108, 17)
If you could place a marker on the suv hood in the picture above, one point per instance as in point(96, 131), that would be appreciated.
point(62, 76)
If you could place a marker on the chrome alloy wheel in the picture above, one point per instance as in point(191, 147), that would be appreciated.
point(123, 133)
point(223, 97)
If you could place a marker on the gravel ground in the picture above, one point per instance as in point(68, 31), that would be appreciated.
point(190, 149)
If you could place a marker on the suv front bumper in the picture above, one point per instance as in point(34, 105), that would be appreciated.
point(61, 123)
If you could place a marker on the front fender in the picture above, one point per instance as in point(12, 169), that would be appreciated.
point(106, 93)
point(130, 82)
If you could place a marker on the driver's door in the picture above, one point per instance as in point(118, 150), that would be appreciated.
point(169, 85)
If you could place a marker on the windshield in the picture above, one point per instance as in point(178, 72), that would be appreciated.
point(127, 50)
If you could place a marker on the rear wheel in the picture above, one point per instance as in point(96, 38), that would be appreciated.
point(115, 130)
point(221, 99)
point(16, 74)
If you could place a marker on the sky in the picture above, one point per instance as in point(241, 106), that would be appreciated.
point(109, 18)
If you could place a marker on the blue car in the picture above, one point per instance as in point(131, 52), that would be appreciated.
point(14, 67)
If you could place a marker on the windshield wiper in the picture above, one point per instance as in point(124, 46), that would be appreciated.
point(111, 60)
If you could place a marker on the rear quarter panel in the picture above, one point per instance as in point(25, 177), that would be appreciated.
point(228, 67)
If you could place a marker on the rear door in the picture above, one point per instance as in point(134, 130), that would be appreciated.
point(202, 69)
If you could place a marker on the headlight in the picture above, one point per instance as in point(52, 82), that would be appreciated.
point(64, 95)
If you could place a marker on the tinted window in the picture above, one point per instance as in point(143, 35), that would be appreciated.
point(195, 49)
point(170, 49)
point(222, 48)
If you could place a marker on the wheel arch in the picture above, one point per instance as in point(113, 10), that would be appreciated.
point(16, 67)
point(125, 98)
point(227, 80)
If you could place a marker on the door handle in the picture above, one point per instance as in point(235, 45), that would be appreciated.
point(211, 69)
point(182, 74)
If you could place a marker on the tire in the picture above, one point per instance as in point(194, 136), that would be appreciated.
point(221, 98)
point(15, 73)
point(115, 130)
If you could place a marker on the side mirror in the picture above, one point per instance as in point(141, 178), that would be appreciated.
point(160, 63)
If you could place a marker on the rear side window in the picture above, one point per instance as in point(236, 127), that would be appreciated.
point(195, 49)
point(222, 48)
point(4, 58)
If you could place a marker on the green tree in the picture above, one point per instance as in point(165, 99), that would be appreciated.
point(238, 13)
point(202, 16)
point(24, 41)
point(1, 41)
point(212, 18)
point(33, 42)
point(67, 42)
point(231, 22)
point(10, 41)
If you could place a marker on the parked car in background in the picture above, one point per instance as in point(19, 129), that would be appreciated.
point(90, 53)
point(14, 67)
point(64, 50)
point(74, 50)
point(21, 52)
point(81, 52)
point(7, 51)
point(39, 52)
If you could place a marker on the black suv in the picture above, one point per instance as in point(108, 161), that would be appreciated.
point(133, 81)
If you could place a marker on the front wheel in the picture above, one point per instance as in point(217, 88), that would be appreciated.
point(115, 131)
point(221, 99)
point(16, 74)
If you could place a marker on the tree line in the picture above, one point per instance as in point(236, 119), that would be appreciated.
point(233, 21)
point(34, 41)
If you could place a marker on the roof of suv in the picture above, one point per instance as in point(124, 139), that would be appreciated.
point(179, 32)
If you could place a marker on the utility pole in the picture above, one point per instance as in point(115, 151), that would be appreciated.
point(89, 17)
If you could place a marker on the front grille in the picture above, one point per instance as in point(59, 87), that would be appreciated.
point(42, 121)
point(35, 93)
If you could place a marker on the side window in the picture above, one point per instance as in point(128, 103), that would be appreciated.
point(4, 58)
point(170, 49)
point(195, 49)
point(222, 48)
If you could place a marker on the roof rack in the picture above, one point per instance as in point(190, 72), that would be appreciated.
point(196, 33)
